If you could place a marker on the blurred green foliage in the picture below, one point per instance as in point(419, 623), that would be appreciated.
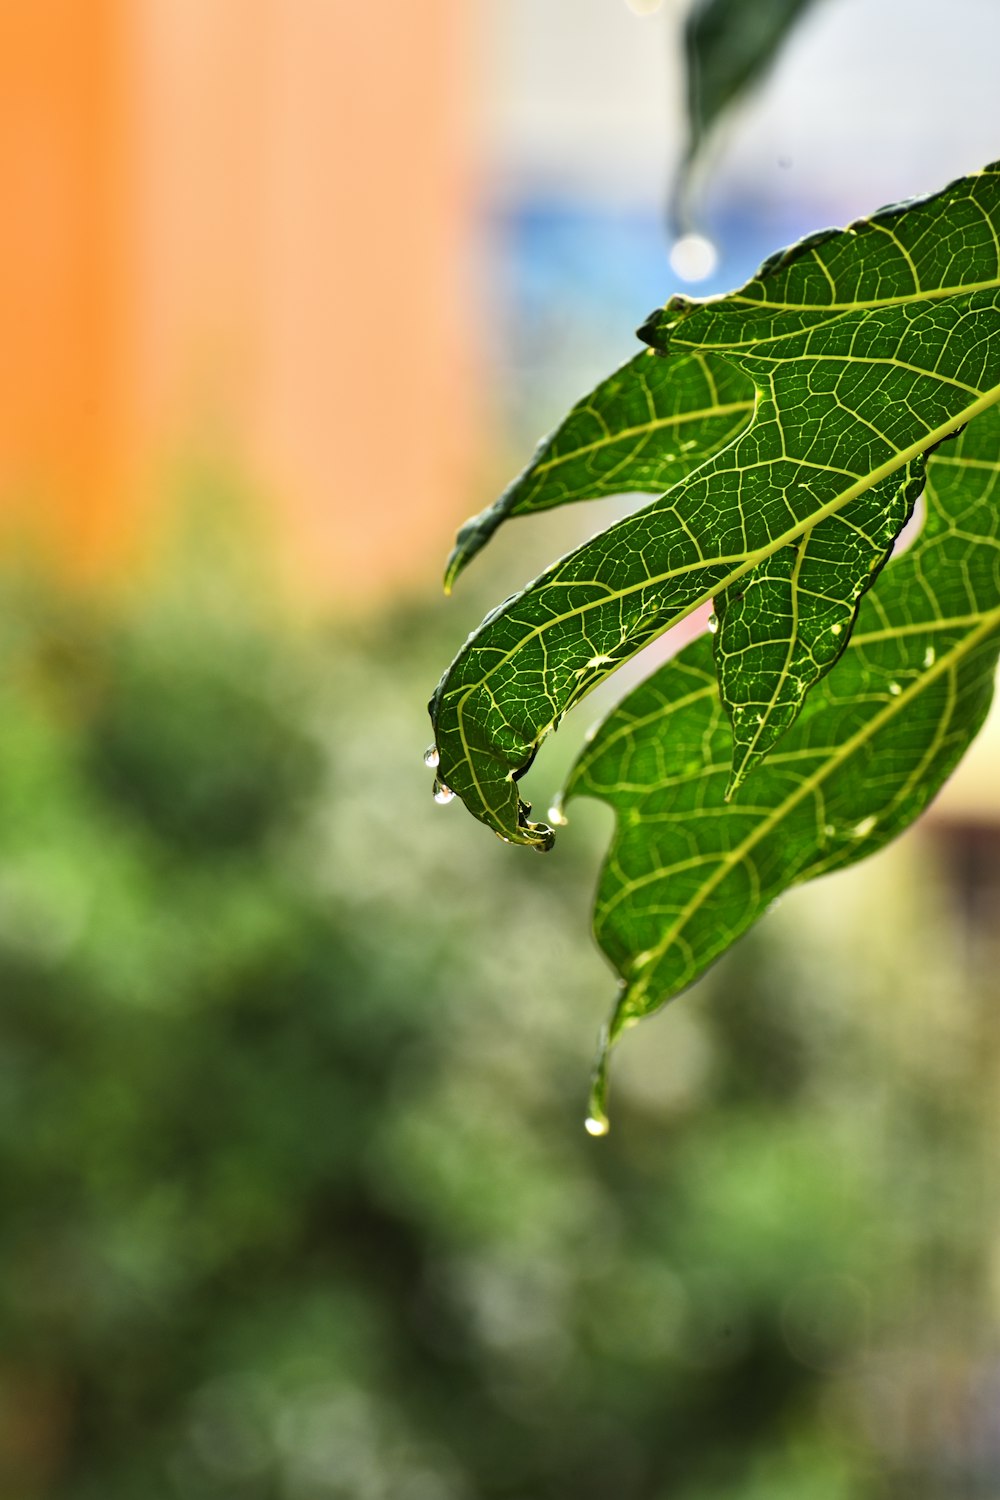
point(297, 1204)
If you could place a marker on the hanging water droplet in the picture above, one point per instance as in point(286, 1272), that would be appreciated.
point(595, 1126)
point(557, 817)
point(895, 689)
point(432, 757)
point(442, 794)
point(693, 257)
point(713, 623)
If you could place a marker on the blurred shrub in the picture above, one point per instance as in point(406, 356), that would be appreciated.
point(296, 1200)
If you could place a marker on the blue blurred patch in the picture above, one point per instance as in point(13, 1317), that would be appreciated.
point(575, 277)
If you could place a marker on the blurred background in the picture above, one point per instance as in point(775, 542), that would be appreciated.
point(295, 1198)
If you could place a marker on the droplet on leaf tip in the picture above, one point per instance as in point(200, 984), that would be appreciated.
point(595, 1125)
point(432, 757)
point(556, 815)
point(442, 794)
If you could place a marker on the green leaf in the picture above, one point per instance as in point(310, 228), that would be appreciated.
point(687, 873)
point(782, 627)
point(641, 430)
point(729, 46)
point(866, 347)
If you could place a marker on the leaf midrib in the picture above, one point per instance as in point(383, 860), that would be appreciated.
point(859, 487)
point(930, 294)
point(945, 663)
point(625, 433)
point(838, 312)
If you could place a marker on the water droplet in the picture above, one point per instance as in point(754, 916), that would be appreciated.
point(713, 623)
point(930, 656)
point(431, 757)
point(557, 817)
point(895, 689)
point(836, 629)
point(693, 257)
point(865, 826)
point(594, 1126)
point(442, 794)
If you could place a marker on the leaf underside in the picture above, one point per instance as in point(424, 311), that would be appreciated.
point(782, 627)
point(687, 873)
point(792, 425)
point(639, 432)
point(863, 348)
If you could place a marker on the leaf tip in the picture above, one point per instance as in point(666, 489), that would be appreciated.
point(537, 836)
point(624, 1016)
point(471, 538)
point(541, 837)
point(737, 776)
point(744, 760)
point(453, 567)
point(658, 329)
point(597, 1122)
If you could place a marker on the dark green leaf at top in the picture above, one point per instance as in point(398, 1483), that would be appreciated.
point(729, 46)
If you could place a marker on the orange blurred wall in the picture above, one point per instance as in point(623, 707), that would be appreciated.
point(62, 308)
point(238, 229)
